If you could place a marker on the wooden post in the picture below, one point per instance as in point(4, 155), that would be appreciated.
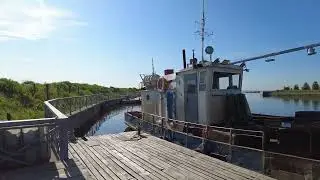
point(8, 116)
point(47, 92)
point(70, 104)
point(34, 90)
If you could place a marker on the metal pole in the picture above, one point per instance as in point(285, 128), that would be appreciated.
point(277, 53)
point(187, 129)
point(202, 31)
point(153, 124)
point(263, 153)
point(230, 144)
point(162, 132)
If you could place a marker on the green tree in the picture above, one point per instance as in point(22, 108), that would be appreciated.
point(315, 86)
point(305, 86)
point(296, 87)
point(286, 88)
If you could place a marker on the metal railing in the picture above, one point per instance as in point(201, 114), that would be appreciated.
point(26, 142)
point(227, 144)
point(72, 105)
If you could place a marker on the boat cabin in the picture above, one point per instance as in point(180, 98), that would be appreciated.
point(201, 92)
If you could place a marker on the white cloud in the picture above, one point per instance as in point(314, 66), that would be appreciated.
point(32, 20)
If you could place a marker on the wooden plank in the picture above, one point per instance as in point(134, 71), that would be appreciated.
point(87, 162)
point(120, 173)
point(176, 163)
point(91, 159)
point(171, 170)
point(191, 162)
point(205, 163)
point(113, 164)
point(226, 166)
point(127, 162)
point(230, 171)
point(109, 155)
point(143, 162)
point(102, 168)
point(176, 166)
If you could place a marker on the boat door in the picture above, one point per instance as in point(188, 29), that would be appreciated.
point(191, 97)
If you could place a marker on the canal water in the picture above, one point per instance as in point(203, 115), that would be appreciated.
point(113, 121)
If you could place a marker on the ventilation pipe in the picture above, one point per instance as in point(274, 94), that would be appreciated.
point(184, 58)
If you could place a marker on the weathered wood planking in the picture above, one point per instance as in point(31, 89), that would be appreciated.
point(123, 156)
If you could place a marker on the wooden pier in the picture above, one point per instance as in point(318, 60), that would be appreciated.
point(127, 156)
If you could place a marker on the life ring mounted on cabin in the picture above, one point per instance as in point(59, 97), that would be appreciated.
point(162, 84)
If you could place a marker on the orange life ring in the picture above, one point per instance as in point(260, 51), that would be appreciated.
point(162, 84)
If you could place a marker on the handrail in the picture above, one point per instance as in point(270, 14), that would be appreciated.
point(55, 111)
point(234, 152)
point(204, 126)
point(26, 122)
point(54, 130)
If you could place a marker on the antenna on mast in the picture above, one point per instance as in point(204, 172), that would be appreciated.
point(202, 31)
point(152, 68)
point(203, 23)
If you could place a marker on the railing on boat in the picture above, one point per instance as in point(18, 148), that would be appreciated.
point(278, 165)
point(31, 141)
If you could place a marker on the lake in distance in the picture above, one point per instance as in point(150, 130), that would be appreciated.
point(113, 121)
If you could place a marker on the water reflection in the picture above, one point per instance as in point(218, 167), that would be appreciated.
point(282, 105)
point(315, 104)
point(306, 103)
point(296, 101)
point(112, 121)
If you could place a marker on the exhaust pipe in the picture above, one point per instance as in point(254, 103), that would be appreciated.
point(184, 58)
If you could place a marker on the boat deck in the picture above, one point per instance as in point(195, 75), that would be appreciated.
point(126, 156)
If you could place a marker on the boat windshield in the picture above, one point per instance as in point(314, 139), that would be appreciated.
point(223, 80)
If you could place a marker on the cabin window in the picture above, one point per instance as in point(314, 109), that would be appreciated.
point(236, 80)
point(202, 81)
point(222, 80)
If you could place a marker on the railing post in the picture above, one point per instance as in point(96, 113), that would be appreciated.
point(204, 139)
point(63, 143)
point(139, 128)
point(230, 144)
point(263, 153)
point(153, 123)
point(187, 129)
point(70, 104)
point(86, 101)
point(162, 132)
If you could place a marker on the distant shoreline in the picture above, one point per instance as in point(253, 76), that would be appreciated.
point(296, 93)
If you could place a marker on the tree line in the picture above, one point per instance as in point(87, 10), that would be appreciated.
point(305, 86)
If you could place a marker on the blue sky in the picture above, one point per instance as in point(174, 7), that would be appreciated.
point(111, 42)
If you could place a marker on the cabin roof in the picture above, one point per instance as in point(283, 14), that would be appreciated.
point(213, 66)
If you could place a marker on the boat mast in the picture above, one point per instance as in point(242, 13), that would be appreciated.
point(202, 25)
point(152, 68)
